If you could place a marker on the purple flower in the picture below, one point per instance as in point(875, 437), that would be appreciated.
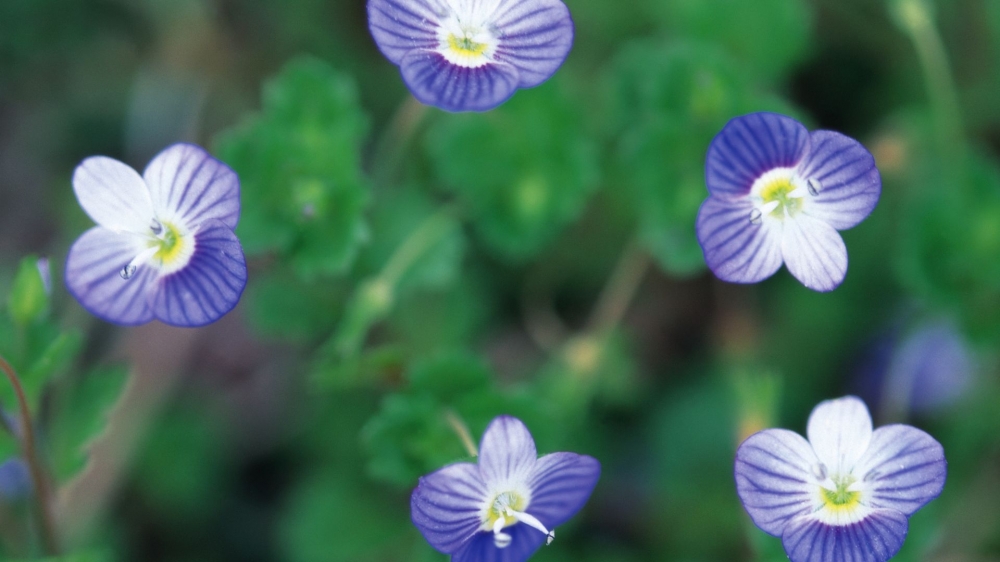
point(846, 493)
point(470, 55)
point(505, 507)
point(164, 246)
point(779, 194)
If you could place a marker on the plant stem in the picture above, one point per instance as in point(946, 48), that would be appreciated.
point(394, 140)
point(416, 245)
point(620, 290)
point(462, 430)
point(27, 438)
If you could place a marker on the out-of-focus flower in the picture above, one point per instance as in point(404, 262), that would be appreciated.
point(15, 480)
point(471, 55)
point(779, 194)
point(45, 273)
point(503, 508)
point(164, 246)
point(846, 493)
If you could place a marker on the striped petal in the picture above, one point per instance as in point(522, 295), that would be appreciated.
point(775, 478)
point(876, 538)
point(535, 37)
point(840, 432)
point(113, 195)
point(560, 485)
point(209, 285)
point(435, 81)
point(749, 146)
point(524, 542)
point(447, 506)
point(93, 276)
point(814, 252)
point(507, 453)
point(903, 469)
point(401, 26)
point(844, 177)
point(190, 186)
point(736, 249)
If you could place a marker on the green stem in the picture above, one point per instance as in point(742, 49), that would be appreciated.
point(462, 430)
point(915, 18)
point(395, 139)
point(38, 479)
point(413, 248)
point(620, 290)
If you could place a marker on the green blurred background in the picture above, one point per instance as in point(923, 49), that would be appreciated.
point(410, 268)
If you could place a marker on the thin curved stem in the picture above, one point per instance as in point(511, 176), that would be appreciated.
point(462, 430)
point(620, 290)
point(394, 140)
point(38, 479)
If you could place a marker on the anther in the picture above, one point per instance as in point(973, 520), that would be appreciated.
point(814, 186)
point(755, 216)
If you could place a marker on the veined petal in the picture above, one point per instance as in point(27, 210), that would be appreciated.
point(560, 485)
point(737, 249)
point(209, 285)
point(876, 538)
point(93, 276)
point(401, 26)
point(748, 147)
point(843, 175)
point(186, 183)
point(903, 469)
point(435, 81)
point(447, 506)
point(507, 453)
point(814, 252)
point(524, 542)
point(535, 37)
point(113, 195)
point(775, 478)
point(840, 432)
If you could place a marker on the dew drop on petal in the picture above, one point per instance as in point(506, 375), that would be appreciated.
point(819, 471)
point(501, 540)
point(127, 272)
point(755, 216)
point(813, 185)
point(156, 227)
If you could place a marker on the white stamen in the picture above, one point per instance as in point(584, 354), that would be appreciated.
point(531, 521)
point(498, 524)
point(128, 271)
point(799, 192)
point(768, 207)
point(502, 540)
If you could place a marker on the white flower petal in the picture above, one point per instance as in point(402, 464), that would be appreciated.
point(188, 185)
point(840, 431)
point(113, 194)
point(903, 469)
point(814, 252)
point(507, 453)
point(775, 478)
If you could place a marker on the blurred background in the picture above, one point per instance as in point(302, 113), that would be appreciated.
point(410, 268)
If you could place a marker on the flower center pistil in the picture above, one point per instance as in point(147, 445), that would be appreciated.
point(505, 510)
point(167, 247)
point(466, 44)
point(841, 497)
point(779, 194)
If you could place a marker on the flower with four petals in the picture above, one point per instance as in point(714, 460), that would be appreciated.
point(471, 55)
point(506, 506)
point(779, 194)
point(846, 493)
point(164, 247)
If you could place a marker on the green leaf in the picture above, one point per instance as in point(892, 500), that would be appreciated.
point(770, 36)
point(303, 192)
point(28, 301)
point(79, 416)
point(523, 171)
point(280, 306)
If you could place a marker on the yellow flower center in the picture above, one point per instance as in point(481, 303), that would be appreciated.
point(840, 499)
point(465, 46)
point(499, 509)
point(171, 245)
point(779, 191)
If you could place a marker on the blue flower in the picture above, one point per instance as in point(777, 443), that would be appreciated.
point(470, 55)
point(846, 493)
point(15, 480)
point(164, 246)
point(779, 194)
point(505, 507)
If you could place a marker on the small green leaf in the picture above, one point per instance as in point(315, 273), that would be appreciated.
point(524, 171)
point(80, 415)
point(28, 301)
point(299, 167)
